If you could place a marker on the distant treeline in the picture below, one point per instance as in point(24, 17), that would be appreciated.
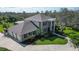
point(64, 17)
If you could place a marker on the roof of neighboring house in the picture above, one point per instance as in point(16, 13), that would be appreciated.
point(27, 26)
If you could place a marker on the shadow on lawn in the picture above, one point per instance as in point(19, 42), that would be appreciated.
point(42, 38)
point(32, 40)
point(26, 42)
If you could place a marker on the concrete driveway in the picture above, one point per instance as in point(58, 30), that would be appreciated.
point(12, 45)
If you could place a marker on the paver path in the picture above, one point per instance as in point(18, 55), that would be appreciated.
point(12, 45)
point(70, 44)
point(9, 43)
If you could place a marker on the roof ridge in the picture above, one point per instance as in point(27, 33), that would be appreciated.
point(34, 24)
point(23, 27)
point(41, 16)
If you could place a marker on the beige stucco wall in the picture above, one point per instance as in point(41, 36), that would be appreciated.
point(10, 33)
point(14, 35)
point(19, 38)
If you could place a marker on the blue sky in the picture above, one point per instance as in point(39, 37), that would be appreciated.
point(32, 9)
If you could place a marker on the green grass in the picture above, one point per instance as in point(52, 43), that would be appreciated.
point(11, 24)
point(52, 40)
point(4, 49)
point(1, 28)
point(71, 33)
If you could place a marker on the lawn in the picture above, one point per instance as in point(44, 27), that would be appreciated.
point(4, 49)
point(1, 26)
point(71, 33)
point(51, 40)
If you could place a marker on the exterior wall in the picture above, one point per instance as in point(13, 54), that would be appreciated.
point(28, 36)
point(40, 27)
point(19, 38)
point(10, 33)
point(45, 24)
point(53, 26)
point(15, 36)
point(48, 26)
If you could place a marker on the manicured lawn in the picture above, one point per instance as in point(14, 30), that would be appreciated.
point(1, 28)
point(4, 49)
point(51, 40)
point(11, 24)
point(71, 33)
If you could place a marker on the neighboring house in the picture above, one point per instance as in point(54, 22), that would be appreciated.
point(36, 25)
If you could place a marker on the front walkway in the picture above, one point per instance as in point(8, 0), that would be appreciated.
point(12, 45)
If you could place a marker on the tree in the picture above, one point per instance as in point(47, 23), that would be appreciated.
point(37, 12)
point(64, 10)
point(42, 12)
point(46, 12)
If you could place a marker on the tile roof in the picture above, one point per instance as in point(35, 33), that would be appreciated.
point(39, 18)
point(23, 28)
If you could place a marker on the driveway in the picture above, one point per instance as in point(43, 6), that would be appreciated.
point(14, 46)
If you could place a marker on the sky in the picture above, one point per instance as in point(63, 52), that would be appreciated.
point(32, 9)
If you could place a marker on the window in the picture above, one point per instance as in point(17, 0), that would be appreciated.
point(30, 33)
point(34, 32)
point(49, 23)
point(52, 25)
point(40, 24)
point(25, 35)
point(44, 23)
point(45, 29)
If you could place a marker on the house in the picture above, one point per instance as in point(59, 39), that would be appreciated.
point(39, 24)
